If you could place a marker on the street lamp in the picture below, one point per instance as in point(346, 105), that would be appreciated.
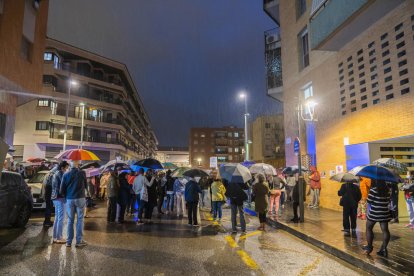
point(246, 114)
point(199, 162)
point(83, 120)
point(70, 84)
point(309, 115)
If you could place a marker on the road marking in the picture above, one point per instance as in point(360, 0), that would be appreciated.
point(243, 254)
point(243, 237)
point(307, 269)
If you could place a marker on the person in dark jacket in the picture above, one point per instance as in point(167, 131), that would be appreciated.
point(123, 194)
point(160, 184)
point(112, 189)
point(234, 192)
point(59, 203)
point(152, 195)
point(169, 188)
point(48, 196)
point(350, 196)
point(295, 199)
point(261, 191)
point(191, 195)
point(73, 188)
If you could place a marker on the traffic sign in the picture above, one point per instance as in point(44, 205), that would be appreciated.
point(296, 146)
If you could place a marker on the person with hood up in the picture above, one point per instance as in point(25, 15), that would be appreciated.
point(260, 191)
point(218, 192)
point(192, 196)
point(315, 185)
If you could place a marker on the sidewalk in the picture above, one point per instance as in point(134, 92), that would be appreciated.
point(322, 228)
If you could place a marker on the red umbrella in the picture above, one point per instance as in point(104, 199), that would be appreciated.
point(77, 154)
point(35, 159)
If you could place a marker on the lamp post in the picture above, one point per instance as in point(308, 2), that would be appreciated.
point(246, 138)
point(70, 84)
point(83, 120)
point(310, 105)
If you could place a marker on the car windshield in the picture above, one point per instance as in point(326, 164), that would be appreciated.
point(37, 178)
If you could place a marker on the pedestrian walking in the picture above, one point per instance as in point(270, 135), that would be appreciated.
point(218, 192)
point(315, 186)
point(364, 186)
point(112, 189)
point(235, 192)
point(260, 192)
point(408, 189)
point(204, 185)
point(47, 182)
point(123, 194)
point(59, 203)
point(192, 197)
point(350, 196)
point(169, 187)
point(179, 190)
point(378, 211)
point(73, 188)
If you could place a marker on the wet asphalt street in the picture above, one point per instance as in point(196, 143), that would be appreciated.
point(167, 247)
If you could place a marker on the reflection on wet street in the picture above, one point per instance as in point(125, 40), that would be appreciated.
point(167, 247)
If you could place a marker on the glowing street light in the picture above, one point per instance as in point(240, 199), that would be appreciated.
point(70, 84)
point(83, 120)
point(199, 162)
point(243, 96)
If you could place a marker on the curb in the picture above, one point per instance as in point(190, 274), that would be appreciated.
point(373, 268)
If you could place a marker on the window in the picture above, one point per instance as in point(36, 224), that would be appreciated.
point(195, 134)
point(352, 95)
point(351, 80)
point(340, 65)
point(389, 78)
point(373, 68)
point(405, 91)
point(341, 78)
point(307, 92)
point(403, 72)
point(351, 87)
point(304, 43)
point(370, 45)
point(344, 112)
point(362, 82)
point(350, 73)
point(353, 109)
point(48, 56)
point(385, 62)
point(300, 7)
point(398, 27)
point(401, 44)
point(349, 58)
point(42, 125)
point(342, 92)
point(404, 81)
point(342, 99)
point(387, 70)
point(267, 125)
point(343, 105)
point(3, 119)
point(374, 85)
point(202, 135)
point(236, 149)
point(384, 36)
point(362, 75)
point(372, 52)
point(229, 134)
point(385, 44)
point(230, 149)
point(341, 71)
point(374, 76)
point(360, 52)
point(363, 98)
point(353, 102)
point(375, 93)
point(195, 150)
point(363, 90)
point(361, 59)
point(362, 66)
point(389, 96)
point(376, 101)
point(401, 54)
point(56, 61)
point(26, 49)
point(42, 102)
point(386, 53)
point(388, 88)
point(371, 61)
point(236, 135)
point(400, 35)
point(364, 105)
point(350, 65)
point(195, 142)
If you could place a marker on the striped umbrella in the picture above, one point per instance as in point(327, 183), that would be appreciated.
point(169, 166)
point(235, 173)
point(263, 168)
point(179, 172)
point(392, 164)
point(77, 154)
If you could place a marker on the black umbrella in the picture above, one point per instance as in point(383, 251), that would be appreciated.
point(90, 165)
point(195, 173)
point(149, 163)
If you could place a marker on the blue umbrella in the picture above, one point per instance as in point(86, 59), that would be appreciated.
point(377, 172)
point(248, 164)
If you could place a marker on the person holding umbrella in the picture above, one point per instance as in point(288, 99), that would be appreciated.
point(123, 193)
point(350, 196)
point(260, 191)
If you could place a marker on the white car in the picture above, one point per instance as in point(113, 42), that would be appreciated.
point(38, 190)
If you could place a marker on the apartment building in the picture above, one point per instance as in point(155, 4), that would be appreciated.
point(268, 140)
point(355, 59)
point(179, 156)
point(22, 41)
point(115, 121)
point(226, 143)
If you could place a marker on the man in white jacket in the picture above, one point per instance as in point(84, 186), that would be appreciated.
point(140, 189)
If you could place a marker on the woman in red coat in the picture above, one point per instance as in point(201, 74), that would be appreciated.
point(315, 185)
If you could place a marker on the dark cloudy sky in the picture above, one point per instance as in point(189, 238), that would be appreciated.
point(188, 58)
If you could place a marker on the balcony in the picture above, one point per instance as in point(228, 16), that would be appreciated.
point(273, 58)
point(271, 7)
point(335, 23)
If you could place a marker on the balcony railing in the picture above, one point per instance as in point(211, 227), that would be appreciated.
point(89, 117)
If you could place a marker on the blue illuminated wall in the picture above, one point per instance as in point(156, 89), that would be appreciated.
point(311, 141)
point(357, 155)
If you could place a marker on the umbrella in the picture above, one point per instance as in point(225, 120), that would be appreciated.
point(180, 171)
point(90, 165)
point(92, 172)
point(235, 173)
point(248, 164)
point(114, 164)
point(195, 173)
point(377, 172)
point(77, 154)
point(345, 177)
point(35, 160)
point(293, 169)
point(393, 164)
point(169, 166)
point(263, 168)
point(149, 163)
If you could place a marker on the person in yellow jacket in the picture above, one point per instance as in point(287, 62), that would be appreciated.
point(217, 192)
point(364, 185)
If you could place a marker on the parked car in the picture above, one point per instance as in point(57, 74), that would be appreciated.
point(38, 190)
point(15, 200)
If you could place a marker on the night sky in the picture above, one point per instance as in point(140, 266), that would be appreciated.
point(188, 58)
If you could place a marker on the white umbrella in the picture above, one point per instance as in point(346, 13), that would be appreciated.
point(235, 173)
point(345, 177)
point(263, 168)
point(114, 163)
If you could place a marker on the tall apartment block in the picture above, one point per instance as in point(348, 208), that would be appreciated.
point(22, 42)
point(355, 59)
point(226, 143)
point(115, 121)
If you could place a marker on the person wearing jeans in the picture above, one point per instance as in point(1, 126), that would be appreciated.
point(315, 184)
point(191, 194)
point(112, 188)
point(408, 189)
point(73, 187)
point(179, 189)
point(237, 196)
point(59, 203)
point(260, 191)
point(218, 196)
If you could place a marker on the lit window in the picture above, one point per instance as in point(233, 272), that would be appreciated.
point(195, 142)
point(236, 149)
point(48, 56)
point(56, 61)
point(308, 92)
point(203, 135)
point(43, 102)
point(42, 125)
